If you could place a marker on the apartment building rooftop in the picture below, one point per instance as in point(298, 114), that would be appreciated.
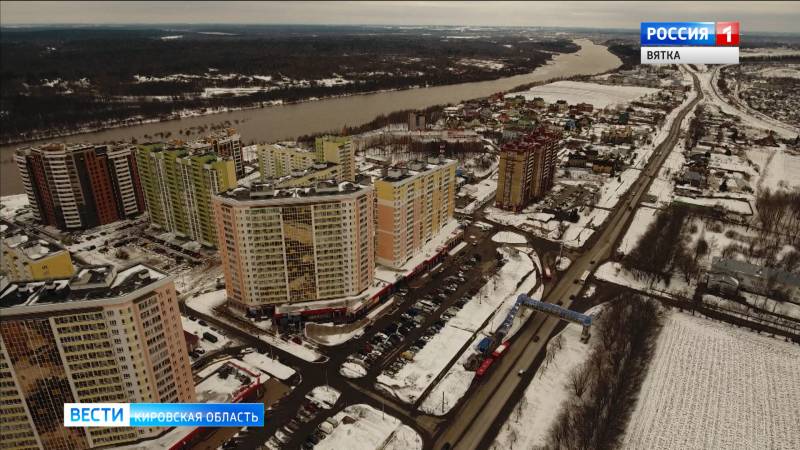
point(91, 283)
point(408, 169)
point(268, 191)
point(32, 246)
point(68, 147)
point(530, 141)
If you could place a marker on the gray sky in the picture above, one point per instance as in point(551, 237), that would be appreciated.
point(754, 15)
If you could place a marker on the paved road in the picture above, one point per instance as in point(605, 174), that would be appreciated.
point(477, 415)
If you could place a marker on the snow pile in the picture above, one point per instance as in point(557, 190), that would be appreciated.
point(325, 396)
point(509, 237)
point(351, 369)
point(364, 427)
point(269, 365)
point(574, 92)
point(528, 424)
point(710, 385)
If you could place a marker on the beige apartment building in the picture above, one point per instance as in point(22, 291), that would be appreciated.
point(414, 202)
point(296, 244)
point(100, 337)
point(527, 168)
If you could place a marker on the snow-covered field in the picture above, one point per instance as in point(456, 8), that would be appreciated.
point(371, 430)
point(599, 95)
point(528, 424)
point(711, 385)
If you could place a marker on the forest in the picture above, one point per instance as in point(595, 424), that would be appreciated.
point(68, 78)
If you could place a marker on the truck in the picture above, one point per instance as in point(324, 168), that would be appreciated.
point(484, 344)
point(484, 367)
point(498, 352)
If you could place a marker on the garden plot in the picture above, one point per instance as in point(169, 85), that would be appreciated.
point(778, 169)
point(528, 424)
point(710, 385)
point(362, 427)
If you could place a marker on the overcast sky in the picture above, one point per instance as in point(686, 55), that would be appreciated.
point(754, 15)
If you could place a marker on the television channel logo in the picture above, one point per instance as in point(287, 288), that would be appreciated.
point(689, 42)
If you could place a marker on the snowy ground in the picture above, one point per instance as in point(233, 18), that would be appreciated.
point(371, 430)
point(482, 192)
point(324, 396)
point(641, 221)
point(613, 272)
point(528, 424)
point(194, 327)
point(574, 92)
point(778, 169)
point(205, 303)
point(509, 237)
point(711, 385)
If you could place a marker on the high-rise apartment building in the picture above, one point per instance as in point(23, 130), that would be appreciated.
point(414, 203)
point(295, 245)
point(27, 257)
point(178, 185)
point(77, 186)
point(527, 169)
point(279, 160)
point(226, 143)
point(339, 150)
point(100, 337)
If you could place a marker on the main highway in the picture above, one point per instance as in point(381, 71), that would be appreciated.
point(478, 412)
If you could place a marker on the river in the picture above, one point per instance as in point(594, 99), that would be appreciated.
point(288, 121)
